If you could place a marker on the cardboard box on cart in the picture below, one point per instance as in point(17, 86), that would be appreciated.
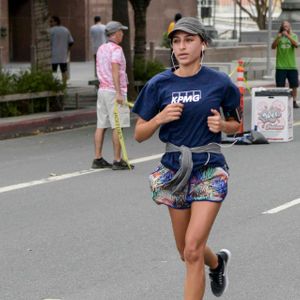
point(272, 113)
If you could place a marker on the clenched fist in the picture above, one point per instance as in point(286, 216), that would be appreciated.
point(171, 112)
point(215, 122)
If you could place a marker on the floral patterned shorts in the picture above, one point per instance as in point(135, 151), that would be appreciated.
point(207, 184)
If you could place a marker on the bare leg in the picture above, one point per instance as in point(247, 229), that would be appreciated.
point(294, 94)
point(191, 229)
point(116, 145)
point(180, 221)
point(202, 218)
point(99, 138)
point(210, 258)
point(64, 76)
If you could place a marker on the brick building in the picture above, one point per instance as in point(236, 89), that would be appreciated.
point(78, 15)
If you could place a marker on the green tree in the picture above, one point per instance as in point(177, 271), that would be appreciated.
point(257, 10)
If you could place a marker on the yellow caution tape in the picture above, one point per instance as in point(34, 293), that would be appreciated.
point(120, 132)
point(230, 75)
point(247, 86)
point(129, 104)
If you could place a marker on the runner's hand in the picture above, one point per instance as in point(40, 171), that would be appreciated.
point(215, 122)
point(171, 112)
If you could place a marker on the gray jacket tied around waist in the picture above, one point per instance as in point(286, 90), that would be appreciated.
point(183, 174)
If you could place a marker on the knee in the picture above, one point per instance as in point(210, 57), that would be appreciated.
point(181, 253)
point(180, 249)
point(193, 253)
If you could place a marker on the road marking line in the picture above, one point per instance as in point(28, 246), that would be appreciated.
point(282, 207)
point(146, 158)
point(52, 178)
point(296, 123)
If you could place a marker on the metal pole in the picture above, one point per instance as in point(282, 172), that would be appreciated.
point(214, 14)
point(240, 26)
point(151, 51)
point(234, 33)
point(269, 39)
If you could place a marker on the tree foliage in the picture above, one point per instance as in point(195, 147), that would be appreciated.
point(257, 10)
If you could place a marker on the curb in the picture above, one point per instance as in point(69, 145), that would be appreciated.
point(46, 123)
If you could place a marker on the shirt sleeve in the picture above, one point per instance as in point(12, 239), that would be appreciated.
point(117, 56)
point(146, 105)
point(231, 100)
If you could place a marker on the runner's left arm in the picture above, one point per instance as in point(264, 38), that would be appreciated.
point(216, 123)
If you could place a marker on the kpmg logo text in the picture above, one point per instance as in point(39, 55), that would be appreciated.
point(186, 96)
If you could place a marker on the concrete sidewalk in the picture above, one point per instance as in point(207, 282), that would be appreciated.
point(80, 74)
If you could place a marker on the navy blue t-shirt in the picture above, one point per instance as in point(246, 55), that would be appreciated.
point(199, 93)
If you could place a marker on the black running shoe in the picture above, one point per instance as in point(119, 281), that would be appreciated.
point(121, 165)
point(101, 163)
point(295, 104)
point(219, 279)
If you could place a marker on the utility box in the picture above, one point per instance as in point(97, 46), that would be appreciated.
point(272, 113)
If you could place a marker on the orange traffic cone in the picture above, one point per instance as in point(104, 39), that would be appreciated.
point(241, 85)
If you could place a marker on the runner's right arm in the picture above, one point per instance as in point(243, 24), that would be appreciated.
point(145, 129)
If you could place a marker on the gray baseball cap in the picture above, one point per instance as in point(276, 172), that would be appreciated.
point(190, 25)
point(114, 26)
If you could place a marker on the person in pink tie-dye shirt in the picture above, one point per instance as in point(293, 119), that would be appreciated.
point(111, 72)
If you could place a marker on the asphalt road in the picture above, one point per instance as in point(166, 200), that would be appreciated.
point(71, 233)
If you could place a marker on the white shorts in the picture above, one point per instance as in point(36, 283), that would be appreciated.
point(105, 111)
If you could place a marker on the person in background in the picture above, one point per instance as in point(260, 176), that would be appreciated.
point(111, 72)
point(98, 37)
point(191, 179)
point(61, 41)
point(285, 44)
point(177, 17)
